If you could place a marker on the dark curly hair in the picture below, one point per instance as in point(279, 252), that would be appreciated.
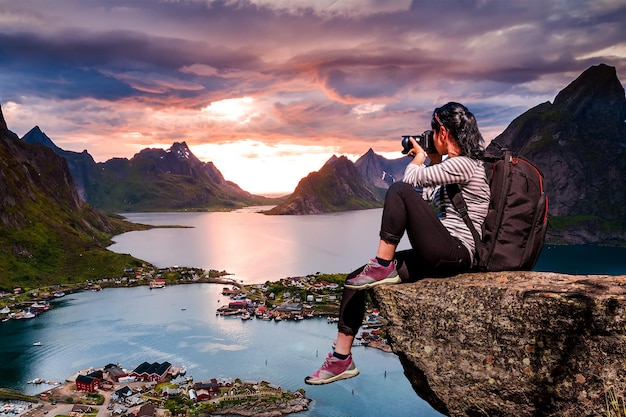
point(461, 123)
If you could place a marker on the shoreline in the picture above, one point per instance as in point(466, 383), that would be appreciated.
point(276, 299)
point(24, 300)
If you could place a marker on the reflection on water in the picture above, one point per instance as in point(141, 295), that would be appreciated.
point(258, 248)
point(255, 247)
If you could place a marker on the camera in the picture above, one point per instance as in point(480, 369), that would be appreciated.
point(425, 140)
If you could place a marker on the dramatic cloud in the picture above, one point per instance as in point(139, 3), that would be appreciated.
point(115, 76)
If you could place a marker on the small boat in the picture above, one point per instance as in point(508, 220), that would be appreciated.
point(29, 315)
point(230, 312)
point(157, 283)
point(37, 344)
point(245, 316)
point(37, 381)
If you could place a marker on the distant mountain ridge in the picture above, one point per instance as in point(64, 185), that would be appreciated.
point(155, 179)
point(152, 180)
point(166, 180)
point(579, 142)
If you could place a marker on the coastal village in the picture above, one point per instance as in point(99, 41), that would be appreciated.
point(155, 390)
point(162, 389)
point(291, 298)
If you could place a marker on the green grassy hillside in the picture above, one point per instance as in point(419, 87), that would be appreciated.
point(49, 236)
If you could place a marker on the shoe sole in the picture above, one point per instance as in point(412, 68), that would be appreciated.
point(344, 375)
point(391, 280)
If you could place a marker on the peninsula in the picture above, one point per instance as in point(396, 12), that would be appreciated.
point(156, 390)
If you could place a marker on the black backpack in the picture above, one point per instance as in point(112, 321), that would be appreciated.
point(515, 227)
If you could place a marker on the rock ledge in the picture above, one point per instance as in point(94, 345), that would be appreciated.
point(511, 343)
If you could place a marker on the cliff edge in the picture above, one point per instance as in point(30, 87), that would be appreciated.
point(511, 343)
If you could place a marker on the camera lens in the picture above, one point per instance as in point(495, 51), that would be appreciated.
point(406, 144)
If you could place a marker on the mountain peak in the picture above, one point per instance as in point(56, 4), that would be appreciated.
point(182, 152)
point(379, 171)
point(597, 82)
point(5, 128)
point(181, 149)
point(332, 160)
point(36, 136)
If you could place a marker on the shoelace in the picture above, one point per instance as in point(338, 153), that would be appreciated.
point(325, 365)
point(368, 266)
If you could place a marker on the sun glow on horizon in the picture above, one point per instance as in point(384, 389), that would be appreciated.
point(264, 169)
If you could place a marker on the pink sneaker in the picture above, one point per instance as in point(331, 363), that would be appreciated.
point(374, 274)
point(333, 370)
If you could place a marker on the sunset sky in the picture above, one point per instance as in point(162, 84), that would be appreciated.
point(268, 90)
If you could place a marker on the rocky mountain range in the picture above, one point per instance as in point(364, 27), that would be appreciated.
point(342, 185)
point(152, 180)
point(175, 179)
point(48, 235)
point(81, 165)
point(579, 142)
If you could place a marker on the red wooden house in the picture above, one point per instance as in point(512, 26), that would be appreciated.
point(87, 383)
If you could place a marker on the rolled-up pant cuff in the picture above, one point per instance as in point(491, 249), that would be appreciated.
point(390, 238)
point(342, 328)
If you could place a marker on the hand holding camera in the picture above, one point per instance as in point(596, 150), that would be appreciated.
point(425, 141)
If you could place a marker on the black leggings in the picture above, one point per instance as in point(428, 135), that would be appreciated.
point(434, 253)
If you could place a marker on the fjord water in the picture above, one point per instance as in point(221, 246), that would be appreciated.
point(133, 325)
point(257, 248)
point(254, 247)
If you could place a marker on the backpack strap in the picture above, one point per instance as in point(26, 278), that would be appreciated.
point(454, 192)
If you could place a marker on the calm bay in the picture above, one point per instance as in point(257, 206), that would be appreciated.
point(178, 323)
point(132, 325)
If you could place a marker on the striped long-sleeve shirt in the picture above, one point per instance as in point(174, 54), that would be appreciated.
point(470, 175)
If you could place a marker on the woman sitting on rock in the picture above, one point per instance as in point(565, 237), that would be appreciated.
point(441, 243)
